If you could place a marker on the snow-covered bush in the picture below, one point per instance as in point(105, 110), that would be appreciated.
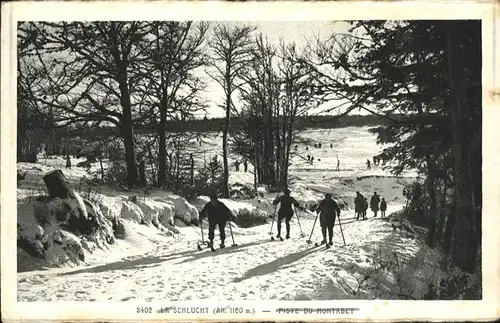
point(247, 219)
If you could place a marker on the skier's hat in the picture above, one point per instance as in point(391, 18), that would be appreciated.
point(286, 191)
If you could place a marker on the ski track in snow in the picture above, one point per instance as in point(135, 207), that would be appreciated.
point(257, 268)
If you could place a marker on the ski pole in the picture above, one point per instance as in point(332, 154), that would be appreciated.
point(272, 223)
point(312, 230)
point(298, 220)
point(340, 225)
point(232, 236)
point(202, 239)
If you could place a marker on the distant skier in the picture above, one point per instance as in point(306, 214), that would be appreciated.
point(237, 165)
point(307, 148)
point(319, 145)
point(359, 202)
point(374, 201)
point(218, 214)
point(68, 162)
point(308, 158)
point(331, 146)
point(368, 164)
point(296, 147)
point(286, 211)
point(374, 160)
point(327, 210)
point(338, 164)
point(312, 159)
point(245, 165)
point(383, 207)
point(315, 145)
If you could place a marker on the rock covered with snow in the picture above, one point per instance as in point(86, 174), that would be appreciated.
point(51, 230)
point(185, 212)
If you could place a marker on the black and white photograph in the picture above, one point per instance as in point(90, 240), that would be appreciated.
point(204, 160)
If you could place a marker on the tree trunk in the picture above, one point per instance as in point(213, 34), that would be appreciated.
point(440, 224)
point(225, 185)
point(432, 195)
point(162, 149)
point(465, 253)
point(128, 141)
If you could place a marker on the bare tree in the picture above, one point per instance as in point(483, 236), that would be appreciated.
point(231, 47)
point(91, 70)
point(172, 84)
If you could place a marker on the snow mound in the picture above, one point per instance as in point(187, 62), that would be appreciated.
point(185, 212)
point(55, 232)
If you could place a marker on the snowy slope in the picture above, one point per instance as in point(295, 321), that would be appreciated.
point(150, 265)
point(257, 268)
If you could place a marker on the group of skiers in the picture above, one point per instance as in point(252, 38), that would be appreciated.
point(361, 205)
point(218, 215)
point(376, 162)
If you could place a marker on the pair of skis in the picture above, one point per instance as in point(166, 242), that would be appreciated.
point(314, 224)
point(207, 243)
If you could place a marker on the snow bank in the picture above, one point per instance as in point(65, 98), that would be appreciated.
point(44, 231)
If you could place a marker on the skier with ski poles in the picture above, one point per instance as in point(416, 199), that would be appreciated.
point(218, 214)
point(286, 211)
point(327, 210)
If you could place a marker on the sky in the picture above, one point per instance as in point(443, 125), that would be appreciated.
point(297, 31)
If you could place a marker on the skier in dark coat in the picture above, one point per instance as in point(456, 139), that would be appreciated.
point(383, 207)
point(359, 202)
point(286, 211)
point(245, 165)
point(327, 210)
point(374, 201)
point(68, 162)
point(218, 214)
point(365, 208)
point(368, 164)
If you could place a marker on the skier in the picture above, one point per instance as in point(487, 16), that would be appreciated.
point(296, 147)
point(315, 145)
point(374, 160)
point(245, 165)
point(237, 164)
point(374, 204)
point(365, 208)
point(307, 148)
point(338, 164)
point(327, 210)
point(383, 207)
point(319, 145)
point(308, 158)
point(331, 146)
point(286, 211)
point(218, 214)
point(68, 162)
point(312, 159)
point(359, 202)
point(368, 164)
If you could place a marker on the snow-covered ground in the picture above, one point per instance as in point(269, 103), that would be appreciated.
point(148, 264)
